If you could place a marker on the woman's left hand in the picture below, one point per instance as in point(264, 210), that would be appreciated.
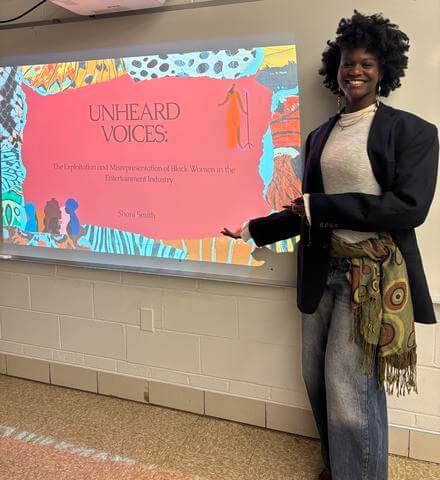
point(297, 206)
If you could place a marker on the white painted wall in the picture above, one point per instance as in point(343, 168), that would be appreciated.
point(216, 336)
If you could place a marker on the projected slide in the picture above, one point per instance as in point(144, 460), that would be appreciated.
point(150, 156)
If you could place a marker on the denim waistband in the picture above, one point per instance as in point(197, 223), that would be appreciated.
point(339, 263)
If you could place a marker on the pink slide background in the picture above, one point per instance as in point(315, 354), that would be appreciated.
point(58, 130)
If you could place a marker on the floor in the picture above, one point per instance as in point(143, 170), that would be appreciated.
point(196, 447)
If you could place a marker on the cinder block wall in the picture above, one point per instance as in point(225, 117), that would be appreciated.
point(235, 340)
point(212, 335)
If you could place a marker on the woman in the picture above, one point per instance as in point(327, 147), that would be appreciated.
point(369, 180)
point(233, 116)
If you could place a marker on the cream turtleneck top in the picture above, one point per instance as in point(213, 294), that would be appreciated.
point(345, 165)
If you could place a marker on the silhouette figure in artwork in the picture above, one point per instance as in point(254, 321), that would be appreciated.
point(233, 117)
point(64, 221)
point(31, 218)
point(52, 217)
point(73, 227)
point(40, 219)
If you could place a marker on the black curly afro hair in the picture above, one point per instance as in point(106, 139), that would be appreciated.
point(378, 36)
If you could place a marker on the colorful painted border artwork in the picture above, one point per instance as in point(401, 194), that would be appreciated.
point(150, 156)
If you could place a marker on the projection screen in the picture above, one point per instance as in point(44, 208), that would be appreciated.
point(137, 162)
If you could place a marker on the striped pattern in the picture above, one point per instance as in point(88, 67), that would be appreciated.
point(58, 77)
point(110, 240)
point(217, 250)
point(285, 246)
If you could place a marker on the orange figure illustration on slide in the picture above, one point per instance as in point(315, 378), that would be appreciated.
point(234, 114)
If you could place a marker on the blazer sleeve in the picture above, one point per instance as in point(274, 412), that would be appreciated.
point(404, 206)
point(275, 227)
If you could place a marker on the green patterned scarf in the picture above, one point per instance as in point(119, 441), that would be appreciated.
point(382, 309)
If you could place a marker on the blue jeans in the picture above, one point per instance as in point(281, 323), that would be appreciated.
point(349, 408)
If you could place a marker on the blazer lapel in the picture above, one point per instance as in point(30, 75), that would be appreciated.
point(312, 174)
point(379, 148)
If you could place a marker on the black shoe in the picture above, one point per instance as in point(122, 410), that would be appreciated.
point(325, 475)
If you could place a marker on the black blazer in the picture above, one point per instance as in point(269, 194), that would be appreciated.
point(403, 150)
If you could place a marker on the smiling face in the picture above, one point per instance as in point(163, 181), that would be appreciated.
point(358, 77)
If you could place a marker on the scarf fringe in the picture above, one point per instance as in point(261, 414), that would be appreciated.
point(397, 373)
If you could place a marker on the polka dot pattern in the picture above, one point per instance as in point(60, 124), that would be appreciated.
point(215, 64)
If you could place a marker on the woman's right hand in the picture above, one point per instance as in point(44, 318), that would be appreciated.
point(233, 234)
point(297, 206)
